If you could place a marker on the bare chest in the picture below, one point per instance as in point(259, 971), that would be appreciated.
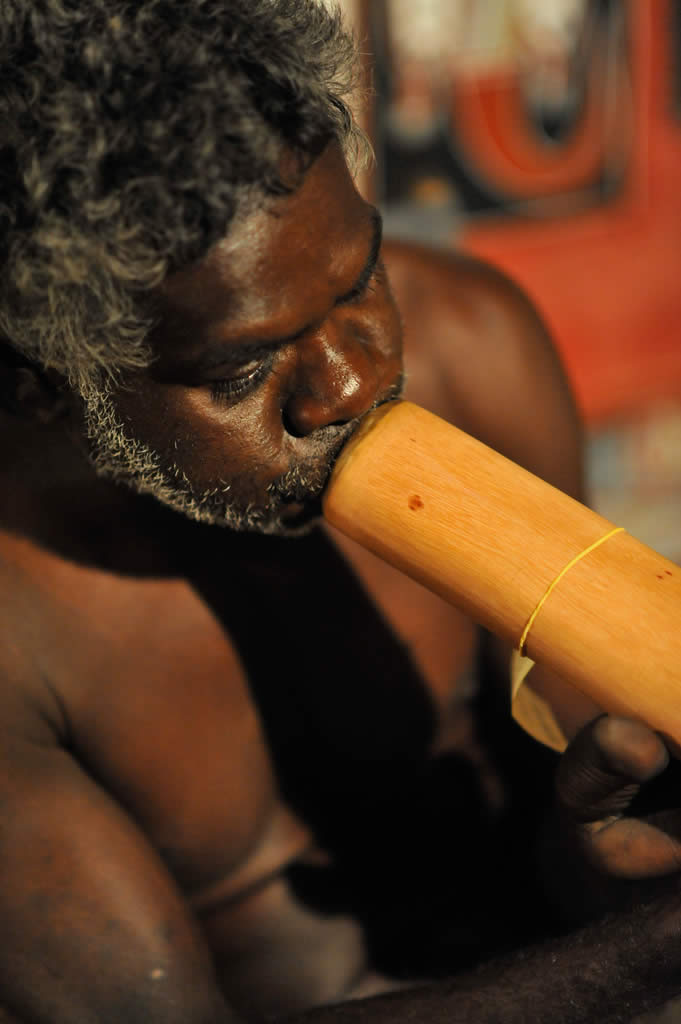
point(159, 713)
point(224, 715)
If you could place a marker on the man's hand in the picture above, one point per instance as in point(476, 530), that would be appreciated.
point(598, 855)
point(611, 969)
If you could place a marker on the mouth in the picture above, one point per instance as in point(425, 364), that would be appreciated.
point(299, 493)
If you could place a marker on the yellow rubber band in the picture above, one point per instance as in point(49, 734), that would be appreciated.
point(554, 584)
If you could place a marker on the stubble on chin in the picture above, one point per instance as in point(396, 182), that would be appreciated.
point(116, 455)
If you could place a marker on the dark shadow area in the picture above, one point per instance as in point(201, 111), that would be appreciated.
point(438, 880)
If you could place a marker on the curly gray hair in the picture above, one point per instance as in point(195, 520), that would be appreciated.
point(128, 134)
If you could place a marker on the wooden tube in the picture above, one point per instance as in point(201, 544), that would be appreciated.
point(491, 538)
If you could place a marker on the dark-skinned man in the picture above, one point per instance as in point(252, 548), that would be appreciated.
point(241, 770)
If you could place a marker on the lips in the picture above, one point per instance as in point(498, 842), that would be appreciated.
point(301, 487)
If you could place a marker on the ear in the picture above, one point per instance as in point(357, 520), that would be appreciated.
point(27, 391)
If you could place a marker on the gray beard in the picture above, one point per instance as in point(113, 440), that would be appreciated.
point(115, 455)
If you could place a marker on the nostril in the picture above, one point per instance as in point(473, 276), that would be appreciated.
point(333, 383)
point(289, 423)
point(303, 415)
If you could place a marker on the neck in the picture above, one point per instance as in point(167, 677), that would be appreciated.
point(51, 496)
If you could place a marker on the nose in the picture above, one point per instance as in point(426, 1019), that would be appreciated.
point(337, 379)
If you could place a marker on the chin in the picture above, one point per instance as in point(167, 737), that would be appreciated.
point(290, 520)
point(269, 528)
point(284, 530)
point(297, 520)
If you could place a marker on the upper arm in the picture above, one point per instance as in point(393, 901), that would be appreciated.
point(518, 399)
point(497, 373)
point(98, 930)
point(499, 378)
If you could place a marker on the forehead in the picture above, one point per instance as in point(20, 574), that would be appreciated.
point(277, 267)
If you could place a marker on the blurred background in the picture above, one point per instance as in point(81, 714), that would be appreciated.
point(545, 137)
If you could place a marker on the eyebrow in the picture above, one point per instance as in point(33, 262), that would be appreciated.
point(235, 351)
point(370, 265)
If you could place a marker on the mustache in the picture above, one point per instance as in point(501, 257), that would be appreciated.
point(307, 480)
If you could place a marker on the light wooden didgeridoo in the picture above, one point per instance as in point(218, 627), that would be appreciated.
point(504, 546)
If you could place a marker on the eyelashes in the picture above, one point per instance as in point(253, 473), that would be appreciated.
point(366, 288)
point(226, 388)
point(253, 373)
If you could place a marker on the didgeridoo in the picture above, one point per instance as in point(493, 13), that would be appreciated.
point(495, 541)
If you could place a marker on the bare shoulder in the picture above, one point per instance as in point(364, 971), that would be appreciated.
point(478, 353)
point(30, 711)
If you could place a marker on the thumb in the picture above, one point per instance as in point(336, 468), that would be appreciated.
point(605, 766)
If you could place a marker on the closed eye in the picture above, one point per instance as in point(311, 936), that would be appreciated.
point(372, 265)
point(365, 286)
point(248, 377)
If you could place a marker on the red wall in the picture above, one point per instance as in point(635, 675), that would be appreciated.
point(608, 281)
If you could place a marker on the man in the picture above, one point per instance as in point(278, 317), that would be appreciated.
point(238, 772)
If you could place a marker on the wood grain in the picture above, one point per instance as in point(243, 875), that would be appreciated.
point(490, 537)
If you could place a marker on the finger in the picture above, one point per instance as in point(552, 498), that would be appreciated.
point(636, 850)
point(604, 767)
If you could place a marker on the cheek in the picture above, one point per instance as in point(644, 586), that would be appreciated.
point(388, 323)
point(207, 441)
